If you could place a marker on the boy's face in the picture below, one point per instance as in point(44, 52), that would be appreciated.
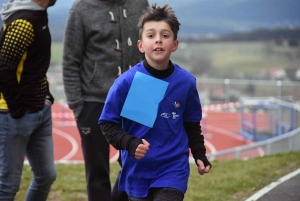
point(157, 42)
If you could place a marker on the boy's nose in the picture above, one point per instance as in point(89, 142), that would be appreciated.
point(158, 40)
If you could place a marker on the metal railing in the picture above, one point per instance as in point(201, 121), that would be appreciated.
point(284, 143)
point(228, 90)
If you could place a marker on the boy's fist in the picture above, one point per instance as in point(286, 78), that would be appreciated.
point(201, 168)
point(141, 150)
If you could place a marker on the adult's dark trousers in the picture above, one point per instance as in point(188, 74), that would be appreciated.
point(116, 194)
point(95, 152)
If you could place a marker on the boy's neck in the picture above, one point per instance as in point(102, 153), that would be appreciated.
point(158, 66)
point(159, 73)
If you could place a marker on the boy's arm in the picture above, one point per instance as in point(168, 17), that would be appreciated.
point(118, 138)
point(196, 142)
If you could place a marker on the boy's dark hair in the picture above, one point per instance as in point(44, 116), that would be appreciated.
point(156, 13)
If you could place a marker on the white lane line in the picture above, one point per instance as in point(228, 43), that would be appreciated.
point(112, 160)
point(211, 147)
point(64, 123)
point(66, 159)
point(260, 151)
point(272, 185)
point(72, 141)
point(225, 132)
point(115, 157)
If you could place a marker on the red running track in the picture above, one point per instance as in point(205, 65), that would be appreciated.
point(219, 128)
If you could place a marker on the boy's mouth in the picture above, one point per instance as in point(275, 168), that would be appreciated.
point(158, 49)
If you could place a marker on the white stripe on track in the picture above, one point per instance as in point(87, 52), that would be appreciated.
point(233, 135)
point(210, 146)
point(72, 141)
point(225, 132)
point(115, 157)
point(261, 151)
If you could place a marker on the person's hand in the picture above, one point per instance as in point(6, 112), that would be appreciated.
point(141, 150)
point(201, 168)
point(47, 102)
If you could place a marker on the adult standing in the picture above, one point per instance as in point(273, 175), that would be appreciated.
point(100, 43)
point(25, 99)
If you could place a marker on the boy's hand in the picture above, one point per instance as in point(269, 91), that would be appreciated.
point(141, 150)
point(201, 168)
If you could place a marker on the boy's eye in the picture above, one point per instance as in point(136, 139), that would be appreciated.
point(166, 36)
point(150, 35)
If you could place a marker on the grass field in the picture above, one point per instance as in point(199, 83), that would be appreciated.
point(233, 59)
point(227, 58)
point(233, 180)
point(56, 52)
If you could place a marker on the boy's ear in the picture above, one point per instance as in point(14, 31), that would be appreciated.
point(175, 45)
point(140, 46)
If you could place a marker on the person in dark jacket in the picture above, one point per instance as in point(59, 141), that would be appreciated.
point(99, 45)
point(25, 99)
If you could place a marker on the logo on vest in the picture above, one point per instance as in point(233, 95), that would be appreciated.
point(165, 115)
point(175, 115)
point(85, 130)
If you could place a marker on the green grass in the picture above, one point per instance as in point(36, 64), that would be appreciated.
point(56, 52)
point(227, 58)
point(232, 58)
point(233, 180)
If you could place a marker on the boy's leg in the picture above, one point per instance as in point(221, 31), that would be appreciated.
point(161, 194)
point(167, 194)
point(40, 155)
point(14, 135)
point(148, 198)
point(117, 195)
point(95, 151)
